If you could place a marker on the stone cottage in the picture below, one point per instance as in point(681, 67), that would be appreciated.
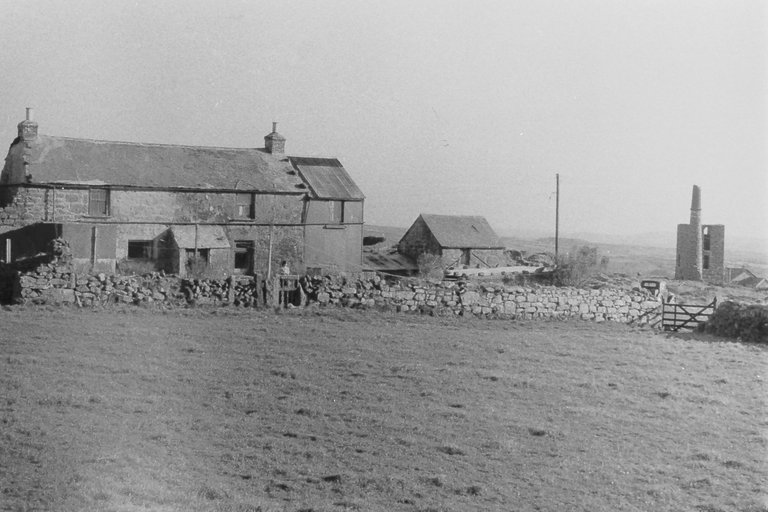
point(460, 241)
point(171, 207)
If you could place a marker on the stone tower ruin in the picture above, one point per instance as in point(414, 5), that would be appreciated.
point(700, 247)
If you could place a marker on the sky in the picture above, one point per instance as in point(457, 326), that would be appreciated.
point(442, 107)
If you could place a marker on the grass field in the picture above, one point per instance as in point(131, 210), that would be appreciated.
point(340, 410)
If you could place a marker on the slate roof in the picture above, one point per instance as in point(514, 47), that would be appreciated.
point(736, 274)
point(759, 283)
point(462, 232)
point(69, 160)
point(326, 177)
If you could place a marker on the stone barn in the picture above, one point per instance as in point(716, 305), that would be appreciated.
point(460, 241)
point(172, 207)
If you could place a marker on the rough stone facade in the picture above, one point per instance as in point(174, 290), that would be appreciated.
point(147, 215)
point(129, 203)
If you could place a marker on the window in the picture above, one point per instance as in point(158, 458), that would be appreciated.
point(706, 239)
point(98, 202)
point(466, 256)
point(336, 212)
point(705, 261)
point(139, 249)
point(245, 206)
point(243, 256)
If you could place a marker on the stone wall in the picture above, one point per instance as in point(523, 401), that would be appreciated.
point(23, 205)
point(491, 300)
point(57, 283)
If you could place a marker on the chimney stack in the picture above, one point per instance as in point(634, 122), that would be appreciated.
point(28, 127)
point(698, 239)
point(274, 142)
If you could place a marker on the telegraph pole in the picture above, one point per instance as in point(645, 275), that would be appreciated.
point(557, 214)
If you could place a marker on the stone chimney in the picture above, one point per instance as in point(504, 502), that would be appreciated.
point(28, 128)
point(274, 142)
point(698, 237)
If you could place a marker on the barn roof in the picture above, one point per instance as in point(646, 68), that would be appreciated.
point(462, 232)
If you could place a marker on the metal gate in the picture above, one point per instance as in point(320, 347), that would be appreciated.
point(685, 316)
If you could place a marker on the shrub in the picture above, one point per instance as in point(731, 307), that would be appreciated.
point(578, 266)
point(744, 321)
point(137, 267)
point(430, 266)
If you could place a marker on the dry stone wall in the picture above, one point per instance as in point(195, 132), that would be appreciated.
point(492, 300)
point(57, 283)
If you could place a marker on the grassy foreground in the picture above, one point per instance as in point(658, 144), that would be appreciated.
point(341, 410)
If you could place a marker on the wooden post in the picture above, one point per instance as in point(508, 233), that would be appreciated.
point(196, 234)
point(269, 254)
point(557, 215)
point(93, 246)
point(231, 291)
point(276, 291)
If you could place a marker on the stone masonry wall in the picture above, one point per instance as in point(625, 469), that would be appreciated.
point(24, 206)
point(57, 283)
point(492, 300)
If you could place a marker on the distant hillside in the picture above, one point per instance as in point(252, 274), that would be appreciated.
point(650, 254)
point(391, 235)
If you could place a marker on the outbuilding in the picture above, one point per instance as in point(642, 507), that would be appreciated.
point(458, 240)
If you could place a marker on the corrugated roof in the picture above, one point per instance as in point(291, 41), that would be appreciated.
point(327, 178)
point(63, 159)
point(462, 232)
point(208, 237)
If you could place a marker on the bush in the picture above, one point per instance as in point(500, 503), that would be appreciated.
point(137, 267)
point(430, 266)
point(578, 266)
point(744, 321)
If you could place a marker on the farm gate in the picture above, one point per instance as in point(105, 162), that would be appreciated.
point(685, 316)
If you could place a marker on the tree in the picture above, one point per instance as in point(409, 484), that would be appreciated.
point(578, 266)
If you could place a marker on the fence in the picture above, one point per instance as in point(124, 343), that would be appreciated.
point(685, 316)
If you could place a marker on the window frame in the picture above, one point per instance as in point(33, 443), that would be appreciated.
point(335, 207)
point(241, 205)
point(98, 206)
point(146, 246)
